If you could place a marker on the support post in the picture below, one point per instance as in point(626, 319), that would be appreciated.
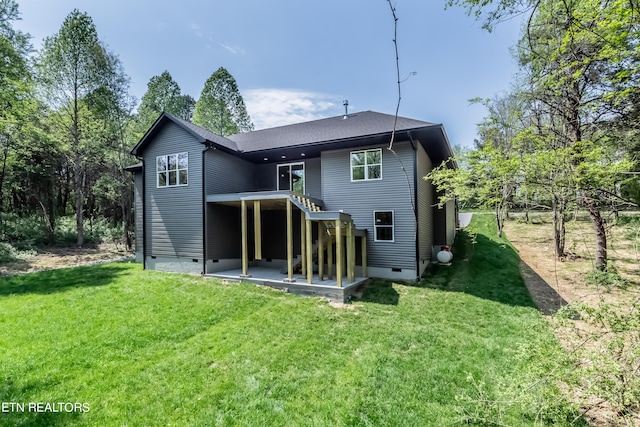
point(303, 243)
point(245, 249)
point(351, 253)
point(363, 241)
point(330, 258)
point(339, 253)
point(309, 251)
point(321, 231)
point(289, 242)
point(257, 229)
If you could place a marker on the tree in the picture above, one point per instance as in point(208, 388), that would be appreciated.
point(17, 88)
point(163, 95)
point(221, 107)
point(113, 105)
point(498, 169)
point(581, 59)
point(582, 64)
point(74, 72)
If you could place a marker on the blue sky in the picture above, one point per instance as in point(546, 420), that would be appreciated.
point(298, 60)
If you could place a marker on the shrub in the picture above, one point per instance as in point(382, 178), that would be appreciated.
point(607, 359)
point(608, 278)
point(29, 232)
point(24, 232)
point(98, 230)
point(9, 253)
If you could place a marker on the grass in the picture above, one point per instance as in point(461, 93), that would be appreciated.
point(485, 266)
point(146, 348)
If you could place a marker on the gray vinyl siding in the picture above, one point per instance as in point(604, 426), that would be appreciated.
point(173, 215)
point(439, 223)
point(450, 208)
point(445, 222)
point(224, 235)
point(225, 173)
point(362, 198)
point(425, 201)
point(265, 177)
point(313, 176)
point(138, 215)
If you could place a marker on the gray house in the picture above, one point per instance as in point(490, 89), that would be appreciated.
point(315, 207)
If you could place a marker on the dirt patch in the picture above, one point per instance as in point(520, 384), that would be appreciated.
point(60, 257)
point(545, 275)
point(554, 283)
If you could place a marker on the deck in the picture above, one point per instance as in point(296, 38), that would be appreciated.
point(274, 278)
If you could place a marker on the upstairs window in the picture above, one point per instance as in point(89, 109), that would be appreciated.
point(366, 165)
point(383, 224)
point(172, 170)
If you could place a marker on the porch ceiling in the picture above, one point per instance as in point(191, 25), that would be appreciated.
point(269, 200)
point(277, 200)
point(265, 204)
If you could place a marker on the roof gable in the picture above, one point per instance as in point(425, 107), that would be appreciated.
point(203, 135)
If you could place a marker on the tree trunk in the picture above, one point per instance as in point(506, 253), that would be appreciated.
point(499, 219)
point(78, 180)
point(125, 226)
point(601, 235)
point(2, 175)
point(52, 220)
point(558, 227)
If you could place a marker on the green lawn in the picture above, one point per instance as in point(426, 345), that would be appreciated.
point(145, 348)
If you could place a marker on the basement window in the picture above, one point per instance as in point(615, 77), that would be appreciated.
point(366, 165)
point(383, 224)
point(172, 170)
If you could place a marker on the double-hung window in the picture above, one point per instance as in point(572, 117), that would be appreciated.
point(366, 165)
point(172, 170)
point(383, 225)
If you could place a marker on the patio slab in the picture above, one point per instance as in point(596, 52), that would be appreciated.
point(275, 279)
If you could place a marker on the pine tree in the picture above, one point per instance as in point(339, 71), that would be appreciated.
point(221, 108)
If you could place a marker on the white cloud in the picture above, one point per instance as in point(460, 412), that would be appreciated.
point(236, 50)
point(279, 107)
point(196, 29)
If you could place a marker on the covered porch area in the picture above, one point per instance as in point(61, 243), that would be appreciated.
point(287, 241)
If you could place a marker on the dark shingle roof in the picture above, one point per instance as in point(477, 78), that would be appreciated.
point(310, 138)
point(201, 134)
point(366, 123)
point(206, 134)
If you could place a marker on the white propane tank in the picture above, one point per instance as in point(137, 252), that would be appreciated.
point(444, 256)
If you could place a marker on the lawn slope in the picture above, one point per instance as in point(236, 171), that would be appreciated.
point(146, 348)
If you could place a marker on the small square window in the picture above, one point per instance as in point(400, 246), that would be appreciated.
point(366, 165)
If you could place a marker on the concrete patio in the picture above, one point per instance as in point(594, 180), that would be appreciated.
point(274, 278)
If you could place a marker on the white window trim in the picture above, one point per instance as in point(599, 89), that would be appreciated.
point(392, 226)
point(166, 156)
point(366, 171)
point(304, 183)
